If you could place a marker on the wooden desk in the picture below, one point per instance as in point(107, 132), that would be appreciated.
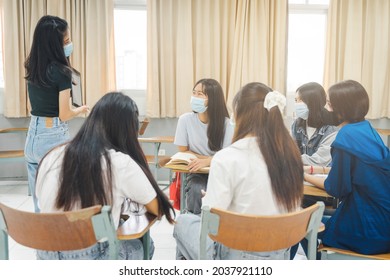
point(156, 160)
point(13, 155)
point(309, 189)
point(138, 227)
point(183, 183)
point(385, 132)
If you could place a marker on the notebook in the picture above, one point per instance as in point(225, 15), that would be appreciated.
point(76, 93)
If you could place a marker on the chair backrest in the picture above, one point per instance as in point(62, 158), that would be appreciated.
point(62, 231)
point(143, 125)
point(261, 233)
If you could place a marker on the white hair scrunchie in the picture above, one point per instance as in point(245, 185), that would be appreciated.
point(275, 98)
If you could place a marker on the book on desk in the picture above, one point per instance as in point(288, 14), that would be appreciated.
point(180, 161)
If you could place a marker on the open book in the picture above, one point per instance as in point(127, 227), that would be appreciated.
point(180, 161)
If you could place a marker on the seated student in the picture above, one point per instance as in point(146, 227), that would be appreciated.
point(103, 164)
point(312, 133)
point(310, 129)
point(246, 176)
point(359, 177)
point(203, 132)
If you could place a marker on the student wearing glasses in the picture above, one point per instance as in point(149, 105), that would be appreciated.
point(203, 132)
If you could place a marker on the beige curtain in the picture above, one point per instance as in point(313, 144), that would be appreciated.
point(234, 42)
point(358, 43)
point(92, 33)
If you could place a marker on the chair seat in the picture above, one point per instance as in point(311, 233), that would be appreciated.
point(354, 254)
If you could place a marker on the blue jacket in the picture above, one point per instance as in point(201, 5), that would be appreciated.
point(360, 179)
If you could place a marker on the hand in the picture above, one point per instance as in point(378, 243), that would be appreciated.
point(83, 109)
point(198, 163)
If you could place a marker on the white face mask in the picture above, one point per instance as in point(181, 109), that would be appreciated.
point(68, 49)
point(197, 104)
point(301, 110)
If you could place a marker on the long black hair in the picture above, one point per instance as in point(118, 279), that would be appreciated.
point(216, 111)
point(47, 49)
point(112, 124)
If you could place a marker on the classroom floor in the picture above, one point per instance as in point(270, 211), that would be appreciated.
point(14, 194)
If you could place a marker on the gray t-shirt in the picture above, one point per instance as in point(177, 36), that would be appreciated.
point(192, 133)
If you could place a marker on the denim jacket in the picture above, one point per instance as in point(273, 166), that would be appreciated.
point(316, 150)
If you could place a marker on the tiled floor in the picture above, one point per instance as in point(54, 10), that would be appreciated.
point(14, 194)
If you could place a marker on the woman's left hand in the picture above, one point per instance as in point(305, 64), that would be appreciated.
point(198, 163)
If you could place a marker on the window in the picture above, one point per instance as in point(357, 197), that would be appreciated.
point(130, 47)
point(306, 2)
point(306, 49)
point(1, 59)
point(306, 45)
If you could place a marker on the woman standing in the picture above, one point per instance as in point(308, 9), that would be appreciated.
point(49, 83)
point(203, 132)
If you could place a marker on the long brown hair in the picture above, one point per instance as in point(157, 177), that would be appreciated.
point(279, 150)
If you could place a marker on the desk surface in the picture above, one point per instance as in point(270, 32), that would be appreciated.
point(313, 190)
point(13, 129)
point(156, 139)
point(383, 131)
point(188, 172)
point(136, 226)
point(307, 188)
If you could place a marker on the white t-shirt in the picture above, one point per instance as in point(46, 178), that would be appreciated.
point(129, 182)
point(192, 133)
point(239, 181)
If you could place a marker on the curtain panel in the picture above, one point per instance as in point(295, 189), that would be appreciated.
point(92, 33)
point(234, 42)
point(358, 43)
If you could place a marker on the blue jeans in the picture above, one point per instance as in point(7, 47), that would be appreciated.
point(193, 192)
point(128, 250)
point(43, 135)
point(187, 233)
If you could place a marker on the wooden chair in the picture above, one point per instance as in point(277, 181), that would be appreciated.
point(261, 233)
point(60, 231)
point(138, 227)
point(72, 230)
point(143, 125)
point(12, 155)
point(331, 253)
